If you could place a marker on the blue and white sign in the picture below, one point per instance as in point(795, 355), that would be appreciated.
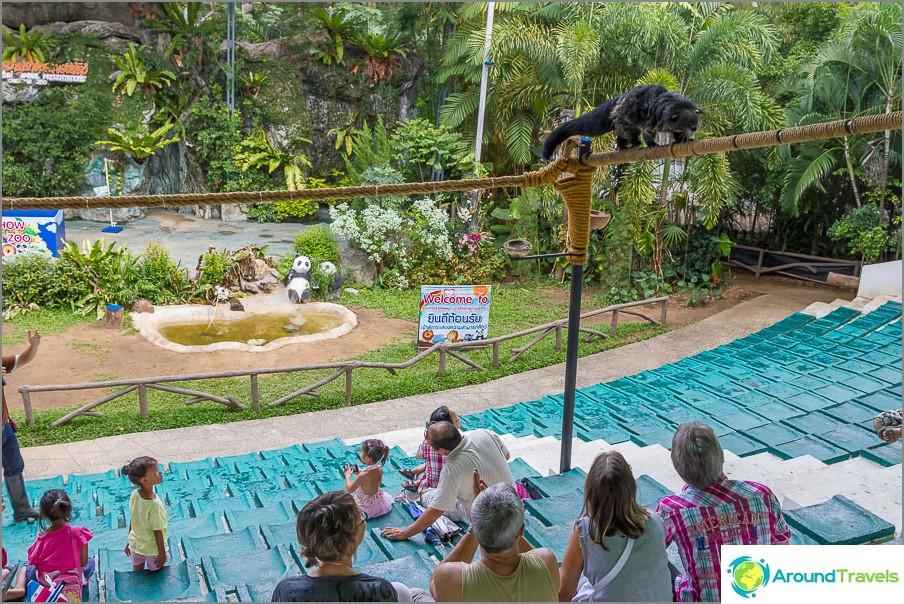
point(33, 232)
point(453, 313)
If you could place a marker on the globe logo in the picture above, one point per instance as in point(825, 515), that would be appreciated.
point(748, 575)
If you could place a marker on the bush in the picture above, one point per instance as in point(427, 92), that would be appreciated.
point(28, 280)
point(94, 275)
point(161, 280)
point(317, 244)
point(863, 231)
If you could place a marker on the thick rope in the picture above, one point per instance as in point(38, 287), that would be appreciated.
point(576, 190)
point(543, 176)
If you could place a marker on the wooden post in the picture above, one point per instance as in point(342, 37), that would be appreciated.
point(143, 401)
point(665, 308)
point(495, 355)
point(442, 361)
point(348, 386)
point(759, 264)
point(255, 394)
point(29, 412)
point(559, 338)
point(614, 328)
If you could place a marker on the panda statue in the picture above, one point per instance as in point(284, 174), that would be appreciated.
point(329, 269)
point(298, 281)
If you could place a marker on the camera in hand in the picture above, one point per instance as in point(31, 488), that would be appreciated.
point(354, 468)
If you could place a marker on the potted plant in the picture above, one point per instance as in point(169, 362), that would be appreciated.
point(139, 144)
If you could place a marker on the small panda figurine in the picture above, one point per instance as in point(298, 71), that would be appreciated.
point(299, 290)
point(300, 268)
point(298, 281)
point(329, 269)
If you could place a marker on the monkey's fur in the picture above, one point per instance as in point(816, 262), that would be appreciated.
point(639, 113)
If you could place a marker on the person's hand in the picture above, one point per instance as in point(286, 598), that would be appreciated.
point(395, 534)
point(34, 338)
point(890, 435)
point(127, 550)
point(161, 559)
point(479, 485)
point(348, 471)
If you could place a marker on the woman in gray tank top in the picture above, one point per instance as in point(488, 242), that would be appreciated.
point(617, 549)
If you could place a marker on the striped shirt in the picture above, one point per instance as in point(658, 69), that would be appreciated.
point(729, 512)
point(433, 463)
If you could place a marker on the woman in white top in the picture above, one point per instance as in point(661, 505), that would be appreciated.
point(617, 549)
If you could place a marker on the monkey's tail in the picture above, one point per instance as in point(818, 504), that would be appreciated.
point(560, 133)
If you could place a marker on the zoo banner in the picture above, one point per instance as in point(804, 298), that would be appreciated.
point(453, 313)
point(33, 232)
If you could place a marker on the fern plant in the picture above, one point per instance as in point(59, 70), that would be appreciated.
point(139, 144)
point(261, 151)
point(134, 74)
point(25, 47)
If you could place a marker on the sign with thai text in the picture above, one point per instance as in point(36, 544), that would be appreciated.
point(40, 74)
point(453, 313)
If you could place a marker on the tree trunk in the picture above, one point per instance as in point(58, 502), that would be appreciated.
point(850, 167)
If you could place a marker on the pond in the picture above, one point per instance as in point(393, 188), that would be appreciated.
point(255, 330)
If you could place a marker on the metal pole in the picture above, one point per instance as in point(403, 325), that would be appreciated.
point(481, 106)
point(571, 363)
point(230, 57)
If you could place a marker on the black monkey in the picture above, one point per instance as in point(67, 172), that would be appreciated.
point(639, 113)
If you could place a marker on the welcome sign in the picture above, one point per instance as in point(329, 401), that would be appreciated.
point(820, 573)
point(40, 74)
point(453, 313)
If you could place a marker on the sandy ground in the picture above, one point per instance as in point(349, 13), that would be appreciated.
point(88, 352)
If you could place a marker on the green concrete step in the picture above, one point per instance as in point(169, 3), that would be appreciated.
point(173, 583)
point(264, 566)
point(839, 521)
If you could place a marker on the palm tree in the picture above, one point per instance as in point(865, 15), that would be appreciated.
point(858, 72)
point(133, 74)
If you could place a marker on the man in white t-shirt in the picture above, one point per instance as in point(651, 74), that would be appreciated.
point(480, 449)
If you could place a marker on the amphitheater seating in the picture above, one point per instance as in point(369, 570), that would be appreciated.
point(803, 386)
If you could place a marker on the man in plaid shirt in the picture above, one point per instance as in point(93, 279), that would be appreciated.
point(713, 510)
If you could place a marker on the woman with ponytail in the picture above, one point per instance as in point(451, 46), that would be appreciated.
point(372, 500)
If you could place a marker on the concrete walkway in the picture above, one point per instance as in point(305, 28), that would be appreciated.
point(193, 443)
point(186, 236)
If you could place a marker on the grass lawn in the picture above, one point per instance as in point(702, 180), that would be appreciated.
point(514, 307)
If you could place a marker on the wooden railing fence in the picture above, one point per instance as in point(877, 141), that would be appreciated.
point(340, 369)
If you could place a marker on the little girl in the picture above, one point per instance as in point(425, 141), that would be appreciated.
point(371, 499)
point(147, 530)
point(60, 550)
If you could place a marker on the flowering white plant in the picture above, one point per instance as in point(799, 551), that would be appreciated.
point(394, 238)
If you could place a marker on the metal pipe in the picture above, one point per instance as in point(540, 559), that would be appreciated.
point(536, 256)
point(571, 363)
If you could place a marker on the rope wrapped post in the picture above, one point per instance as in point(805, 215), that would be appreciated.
point(576, 191)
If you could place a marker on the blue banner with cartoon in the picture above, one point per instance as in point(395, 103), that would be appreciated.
point(453, 313)
point(39, 232)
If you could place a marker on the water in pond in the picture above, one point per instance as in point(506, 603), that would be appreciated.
point(256, 329)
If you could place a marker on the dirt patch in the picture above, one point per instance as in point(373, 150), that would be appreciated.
point(88, 352)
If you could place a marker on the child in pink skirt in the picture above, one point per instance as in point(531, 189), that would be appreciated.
point(371, 499)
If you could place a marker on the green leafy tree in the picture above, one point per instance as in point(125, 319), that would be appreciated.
point(864, 231)
point(133, 73)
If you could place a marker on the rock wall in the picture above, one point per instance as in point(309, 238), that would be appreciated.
point(41, 13)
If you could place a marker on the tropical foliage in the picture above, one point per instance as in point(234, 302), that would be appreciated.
point(25, 46)
point(133, 73)
point(139, 143)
